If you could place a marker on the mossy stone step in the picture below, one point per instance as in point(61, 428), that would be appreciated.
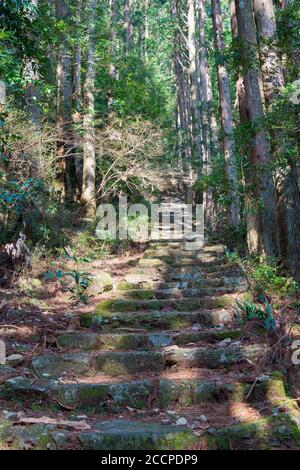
point(155, 319)
point(108, 341)
point(213, 358)
point(177, 245)
point(169, 254)
point(184, 281)
point(133, 341)
point(113, 306)
point(105, 435)
point(212, 262)
point(132, 362)
point(273, 432)
point(181, 293)
point(206, 271)
point(130, 435)
point(144, 394)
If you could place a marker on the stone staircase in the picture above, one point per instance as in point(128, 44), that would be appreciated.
point(162, 363)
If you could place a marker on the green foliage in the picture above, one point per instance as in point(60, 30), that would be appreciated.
point(74, 281)
point(265, 276)
point(250, 311)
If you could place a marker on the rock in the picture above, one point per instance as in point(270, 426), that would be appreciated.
point(259, 434)
point(124, 435)
point(30, 286)
point(181, 422)
point(213, 358)
point(196, 327)
point(55, 365)
point(100, 283)
point(131, 362)
point(2, 353)
point(6, 371)
point(12, 415)
point(203, 419)
point(263, 378)
point(15, 360)
point(225, 342)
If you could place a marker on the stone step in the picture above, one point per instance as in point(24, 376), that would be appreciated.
point(180, 292)
point(180, 281)
point(114, 434)
point(113, 306)
point(278, 431)
point(179, 254)
point(214, 249)
point(125, 341)
point(143, 394)
point(117, 364)
point(156, 319)
point(213, 358)
point(212, 262)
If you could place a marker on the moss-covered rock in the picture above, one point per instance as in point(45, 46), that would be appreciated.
point(104, 341)
point(101, 282)
point(6, 371)
point(35, 437)
point(213, 358)
point(55, 365)
point(267, 433)
point(116, 363)
point(130, 285)
point(215, 335)
point(150, 262)
point(156, 319)
point(187, 304)
point(130, 435)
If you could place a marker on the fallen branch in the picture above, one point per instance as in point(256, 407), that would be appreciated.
point(77, 425)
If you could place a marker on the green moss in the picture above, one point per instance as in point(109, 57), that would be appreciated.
point(115, 364)
point(140, 294)
point(261, 434)
point(151, 262)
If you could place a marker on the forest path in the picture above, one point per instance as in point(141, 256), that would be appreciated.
point(161, 364)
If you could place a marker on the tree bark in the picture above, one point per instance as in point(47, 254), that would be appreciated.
point(64, 106)
point(260, 157)
point(286, 176)
point(194, 85)
point(226, 115)
point(31, 91)
point(128, 27)
point(88, 197)
point(77, 103)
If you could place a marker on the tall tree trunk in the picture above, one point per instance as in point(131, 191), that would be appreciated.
point(31, 92)
point(206, 112)
point(203, 76)
point(77, 102)
point(128, 27)
point(260, 158)
point(113, 38)
point(286, 176)
point(226, 115)
point(182, 87)
point(194, 85)
point(64, 106)
point(88, 197)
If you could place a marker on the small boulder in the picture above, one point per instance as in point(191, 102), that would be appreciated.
point(15, 360)
point(181, 422)
point(100, 283)
point(30, 286)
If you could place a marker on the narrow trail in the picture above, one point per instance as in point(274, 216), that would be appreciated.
point(161, 364)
